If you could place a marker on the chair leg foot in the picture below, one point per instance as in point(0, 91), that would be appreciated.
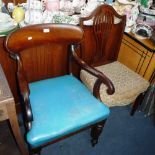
point(36, 151)
point(96, 130)
point(137, 102)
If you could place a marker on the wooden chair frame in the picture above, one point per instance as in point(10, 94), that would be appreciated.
point(35, 35)
point(105, 49)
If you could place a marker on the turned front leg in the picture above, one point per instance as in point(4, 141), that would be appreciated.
point(96, 130)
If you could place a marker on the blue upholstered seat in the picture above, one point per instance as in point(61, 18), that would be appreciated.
point(61, 106)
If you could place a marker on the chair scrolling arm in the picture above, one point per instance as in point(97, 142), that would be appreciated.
point(101, 78)
point(24, 93)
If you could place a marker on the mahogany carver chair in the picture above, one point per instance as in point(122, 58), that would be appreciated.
point(56, 107)
point(107, 31)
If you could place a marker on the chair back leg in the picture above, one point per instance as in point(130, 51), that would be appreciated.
point(96, 130)
point(137, 102)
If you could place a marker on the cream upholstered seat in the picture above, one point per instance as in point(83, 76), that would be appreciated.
point(128, 84)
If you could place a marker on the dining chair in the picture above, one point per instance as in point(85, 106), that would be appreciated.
point(107, 30)
point(56, 107)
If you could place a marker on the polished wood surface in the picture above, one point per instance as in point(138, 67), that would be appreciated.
point(146, 43)
point(136, 56)
point(8, 111)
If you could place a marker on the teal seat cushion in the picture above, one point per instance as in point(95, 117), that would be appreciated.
point(61, 106)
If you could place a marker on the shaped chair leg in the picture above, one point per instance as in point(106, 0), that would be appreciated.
point(36, 151)
point(137, 102)
point(96, 131)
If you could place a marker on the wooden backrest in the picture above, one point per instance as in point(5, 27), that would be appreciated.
point(43, 48)
point(36, 35)
point(105, 35)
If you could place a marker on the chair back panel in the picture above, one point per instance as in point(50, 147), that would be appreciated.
point(106, 35)
point(36, 35)
point(45, 61)
point(43, 48)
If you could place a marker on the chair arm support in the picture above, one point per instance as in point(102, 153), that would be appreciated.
point(27, 110)
point(24, 92)
point(101, 78)
point(25, 101)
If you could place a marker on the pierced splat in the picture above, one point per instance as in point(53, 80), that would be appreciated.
point(102, 26)
point(104, 36)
